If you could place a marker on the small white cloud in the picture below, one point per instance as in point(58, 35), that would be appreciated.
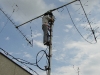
point(66, 30)
point(7, 38)
point(64, 0)
point(39, 44)
point(60, 57)
point(23, 45)
point(65, 70)
point(27, 55)
point(36, 35)
point(77, 19)
point(54, 50)
point(69, 26)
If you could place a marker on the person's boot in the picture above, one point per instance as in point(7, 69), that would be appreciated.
point(47, 43)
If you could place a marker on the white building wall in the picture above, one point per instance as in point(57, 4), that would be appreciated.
point(8, 67)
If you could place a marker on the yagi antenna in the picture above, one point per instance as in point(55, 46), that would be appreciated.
point(16, 28)
point(88, 22)
point(43, 14)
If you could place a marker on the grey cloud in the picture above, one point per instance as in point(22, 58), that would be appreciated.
point(24, 9)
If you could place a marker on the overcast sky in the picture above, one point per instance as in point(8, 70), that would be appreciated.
point(70, 49)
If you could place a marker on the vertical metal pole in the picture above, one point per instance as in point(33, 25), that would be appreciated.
point(50, 46)
point(50, 50)
point(78, 70)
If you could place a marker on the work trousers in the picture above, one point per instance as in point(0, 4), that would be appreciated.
point(45, 33)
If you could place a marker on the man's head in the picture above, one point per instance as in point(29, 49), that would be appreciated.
point(50, 13)
point(46, 13)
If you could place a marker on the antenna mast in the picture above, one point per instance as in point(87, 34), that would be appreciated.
point(51, 34)
point(78, 70)
point(50, 49)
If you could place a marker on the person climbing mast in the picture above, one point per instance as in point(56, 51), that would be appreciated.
point(45, 26)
